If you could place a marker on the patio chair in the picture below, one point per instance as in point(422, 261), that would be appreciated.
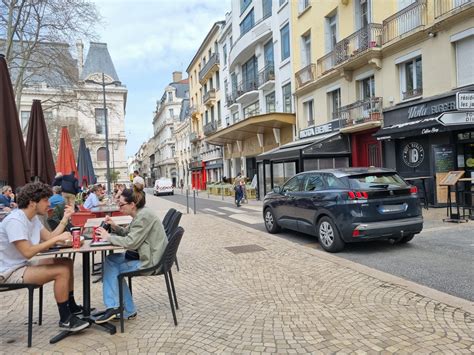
point(162, 268)
point(167, 217)
point(171, 227)
point(31, 288)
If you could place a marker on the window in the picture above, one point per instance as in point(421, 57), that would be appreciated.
point(25, 117)
point(170, 96)
point(48, 115)
point(285, 42)
point(270, 102)
point(464, 62)
point(247, 23)
point(219, 113)
point(331, 32)
point(367, 88)
point(313, 182)
point(212, 114)
point(99, 121)
point(293, 185)
point(244, 4)
point(286, 94)
point(249, 74)
point(282, 2)
point(101, 154)
point(268, 53)
point(218, 81)
point(305, 50)
point(308, 108)
point(303, 5)
point(267, 8)
point(334, 103)
point(334, 183)
point(171, 112)
point(411, 78)
point(362, 8)
point(252, 110)
point(224, 52)
point(235, 117)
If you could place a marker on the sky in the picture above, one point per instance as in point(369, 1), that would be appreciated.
point(148, 40)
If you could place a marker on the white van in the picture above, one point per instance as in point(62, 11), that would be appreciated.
point(163, 186)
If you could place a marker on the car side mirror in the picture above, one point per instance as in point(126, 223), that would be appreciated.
point(277, 189)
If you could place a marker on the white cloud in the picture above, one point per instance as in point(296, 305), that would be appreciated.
point(148, 40)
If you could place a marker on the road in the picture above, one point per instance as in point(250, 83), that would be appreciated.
point(441, 257)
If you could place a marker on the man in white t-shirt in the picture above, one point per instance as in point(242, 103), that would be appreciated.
point(138, 179)
point(22, 236)
point(93, 198)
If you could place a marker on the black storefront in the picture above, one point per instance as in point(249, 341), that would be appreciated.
point(319, 147)
point(429, 138)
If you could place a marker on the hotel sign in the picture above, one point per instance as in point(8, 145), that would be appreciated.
point(315, 130)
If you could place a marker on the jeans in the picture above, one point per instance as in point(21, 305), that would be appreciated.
point(114, 265)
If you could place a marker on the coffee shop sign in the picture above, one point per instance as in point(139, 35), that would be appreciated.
point(425, 110)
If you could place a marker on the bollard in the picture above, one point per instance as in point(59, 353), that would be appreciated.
point(194, 193)
point(187, 201)
point(222, 193)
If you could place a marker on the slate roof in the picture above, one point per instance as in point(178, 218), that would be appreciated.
point(98, 60)
point(184, 112)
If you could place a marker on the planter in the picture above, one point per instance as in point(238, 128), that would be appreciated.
point(375, 116)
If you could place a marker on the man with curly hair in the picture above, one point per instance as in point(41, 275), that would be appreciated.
point(22, 236)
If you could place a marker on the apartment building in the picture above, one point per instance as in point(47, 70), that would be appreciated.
point(256, 78)
point(372, 79)
point(206, 110)
point(168, 109)
point(182, 132)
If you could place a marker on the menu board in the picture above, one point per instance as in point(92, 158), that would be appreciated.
point(443, 158)
point(451, 178)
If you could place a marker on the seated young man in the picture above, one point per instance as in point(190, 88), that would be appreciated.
point(22, 236)
point(93, 198)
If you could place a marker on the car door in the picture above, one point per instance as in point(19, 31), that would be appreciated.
point(309, 201)
point(285, 207)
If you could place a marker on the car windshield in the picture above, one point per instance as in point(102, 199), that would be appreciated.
point(376, 181)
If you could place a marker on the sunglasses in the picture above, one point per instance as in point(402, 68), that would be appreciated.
point(123, 204)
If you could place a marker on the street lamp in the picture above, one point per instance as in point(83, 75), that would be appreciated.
point(104, 84)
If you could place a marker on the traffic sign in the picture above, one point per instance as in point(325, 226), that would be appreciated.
point(456, 118)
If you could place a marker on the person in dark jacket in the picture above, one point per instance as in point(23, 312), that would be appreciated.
point(70, 188)
point(58, 179)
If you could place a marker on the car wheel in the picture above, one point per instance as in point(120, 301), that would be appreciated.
point(270, 222)
point(329, 237)
point(406, 239)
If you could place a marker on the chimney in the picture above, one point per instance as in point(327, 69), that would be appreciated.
point(177, 76)
point(80, 56)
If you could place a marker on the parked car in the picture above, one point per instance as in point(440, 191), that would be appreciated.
point(346, 205)
point(163, 186)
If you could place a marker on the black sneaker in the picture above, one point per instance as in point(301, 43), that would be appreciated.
point(130, 317)
point(109, 314)
point(73, 324)
point(76, 309)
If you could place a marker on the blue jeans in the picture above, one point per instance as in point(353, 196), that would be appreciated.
point(114, 265)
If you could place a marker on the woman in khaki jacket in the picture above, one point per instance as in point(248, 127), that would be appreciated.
point(145, 240)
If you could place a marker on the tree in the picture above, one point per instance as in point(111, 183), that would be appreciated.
point(35, 36)
point(114, 176)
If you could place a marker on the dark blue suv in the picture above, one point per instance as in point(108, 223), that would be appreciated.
point(345, 205)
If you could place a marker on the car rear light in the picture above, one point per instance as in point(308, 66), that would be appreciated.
point(413, 190)
point(355, 233)
point(358, 195)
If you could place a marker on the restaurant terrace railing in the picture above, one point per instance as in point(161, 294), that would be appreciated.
point(352, 46)
point(405, 20)
point(359, 112)
point(213, 60)
point(266, 74)
point(306, 75)
point(210, 128)
point(445, 6)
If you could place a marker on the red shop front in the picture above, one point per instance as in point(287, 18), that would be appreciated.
point(366, 149)
point(198, 175)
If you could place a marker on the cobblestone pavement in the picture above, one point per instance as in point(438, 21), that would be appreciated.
point(282, 298)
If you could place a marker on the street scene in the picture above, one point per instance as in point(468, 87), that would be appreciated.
point(240, 176)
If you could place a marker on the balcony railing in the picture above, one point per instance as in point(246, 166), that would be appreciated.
point(213, 60)
point(305, 75)
point(247, 86)
point(352, 46)
point(251, 113)
point(194, 110)
point(445, 6)
point(209, 96)
point(266, 74)
point(360, 112)
point(210, 128)
point(406, 20)
point(231, 99)
point(409, 94)
point(193, 137)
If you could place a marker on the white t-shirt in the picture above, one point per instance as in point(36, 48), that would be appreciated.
point(91, 201)
point(139, 180)
point(17, 226)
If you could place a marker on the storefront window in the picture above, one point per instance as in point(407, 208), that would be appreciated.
point(282, 172)
point(268, 177)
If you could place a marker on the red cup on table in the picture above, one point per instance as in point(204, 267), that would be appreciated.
point(76, 237)
point(95, 236)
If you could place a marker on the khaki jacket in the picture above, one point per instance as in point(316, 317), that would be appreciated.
point(146, 235)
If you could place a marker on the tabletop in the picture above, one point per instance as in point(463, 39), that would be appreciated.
point(105, 209)
point(120, 220)
point(418, 178)
point(85, 248)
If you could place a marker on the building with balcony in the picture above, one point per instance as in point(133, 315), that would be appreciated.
point(166, 118)
point(204, 73)
point(256, 76)
point(183, 145)
point(380, 74)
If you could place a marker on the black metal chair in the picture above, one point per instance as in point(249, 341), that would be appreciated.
point(162, 268)
point(171, 228)
point(31, 288)
point(167, 217)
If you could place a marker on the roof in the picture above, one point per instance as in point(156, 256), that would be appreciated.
point(184, 112)
point(98, 60)
point(182, 89)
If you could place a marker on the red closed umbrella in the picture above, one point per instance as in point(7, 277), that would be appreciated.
point(38, 148)
point(14, 167)
point(66, 162)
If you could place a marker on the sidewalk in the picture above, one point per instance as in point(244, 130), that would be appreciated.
point(266, 295)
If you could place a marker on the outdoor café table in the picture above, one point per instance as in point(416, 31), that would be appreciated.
point(107, 209)
point(85, 250)
point(423, 181)
point(120, 220)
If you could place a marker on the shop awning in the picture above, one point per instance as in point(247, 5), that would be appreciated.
point(314, 145)
point(416, 128)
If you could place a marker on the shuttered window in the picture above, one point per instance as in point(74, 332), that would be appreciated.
point(464, 61)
